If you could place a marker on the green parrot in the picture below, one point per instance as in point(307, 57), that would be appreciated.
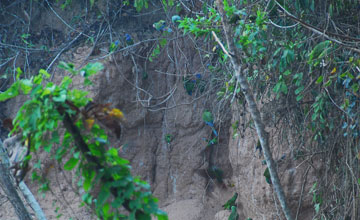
point(258, 147)
point(113, 46)
point(231, 202)
point(175, 18)
point(160, 25)
point(216, 172)
point(201, 85)
point(234, 215)
point(128, 40)
point(189, 85)
point(267, 176)
point(208, 117)
point(319, 50)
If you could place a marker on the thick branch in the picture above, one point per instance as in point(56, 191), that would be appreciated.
point(254, 111)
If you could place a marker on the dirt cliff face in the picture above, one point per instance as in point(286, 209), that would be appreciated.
point(177, 168)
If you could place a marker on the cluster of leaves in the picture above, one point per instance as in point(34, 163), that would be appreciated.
point(140, 4)
point(201, 26)
point(97, 164)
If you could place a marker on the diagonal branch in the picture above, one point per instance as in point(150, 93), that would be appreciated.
point(84, 148)
point(254, 111)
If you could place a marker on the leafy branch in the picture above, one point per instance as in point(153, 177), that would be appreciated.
point(90, 154)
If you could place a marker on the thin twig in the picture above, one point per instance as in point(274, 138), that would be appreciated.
point(221, 45)
point(61, 51)
point(302, 192)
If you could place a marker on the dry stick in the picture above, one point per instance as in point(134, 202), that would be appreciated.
point(323, 33)
point(254, 111)
point(302, 192)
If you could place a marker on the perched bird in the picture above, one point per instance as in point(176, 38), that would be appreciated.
point(160, 25)
point(209, 120)
point(175, 18)
point(234, 215)
point(267, 176)
point(230, 202)
point(216, 172)
point(200, 83)
point(211, 142)
point(113, 46)
point(128, 40)
point(319, 50)
point(189, 85)
point(258, 147)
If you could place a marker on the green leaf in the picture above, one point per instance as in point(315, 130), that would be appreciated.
point(328, 83)
point(47, 147)
point(95, 149)
point(26, 86)
point(61, 97)
point(287, 72)
point(71, 163)
point(92, 68)
point(11, 92)
point(103, 196)
point(162, 42)
point(298, 90)
point(87, 198)
point(68, 67)
point(92, 3)
point(44, 73)
point(319, 80)
point(317, 207)
point(299, 97)
point(18, 73)
point(284, 88)
point(106, 209)
point(88, 180)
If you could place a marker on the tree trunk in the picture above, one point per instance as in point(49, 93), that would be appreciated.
point(8, 185)
point(254, 111)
